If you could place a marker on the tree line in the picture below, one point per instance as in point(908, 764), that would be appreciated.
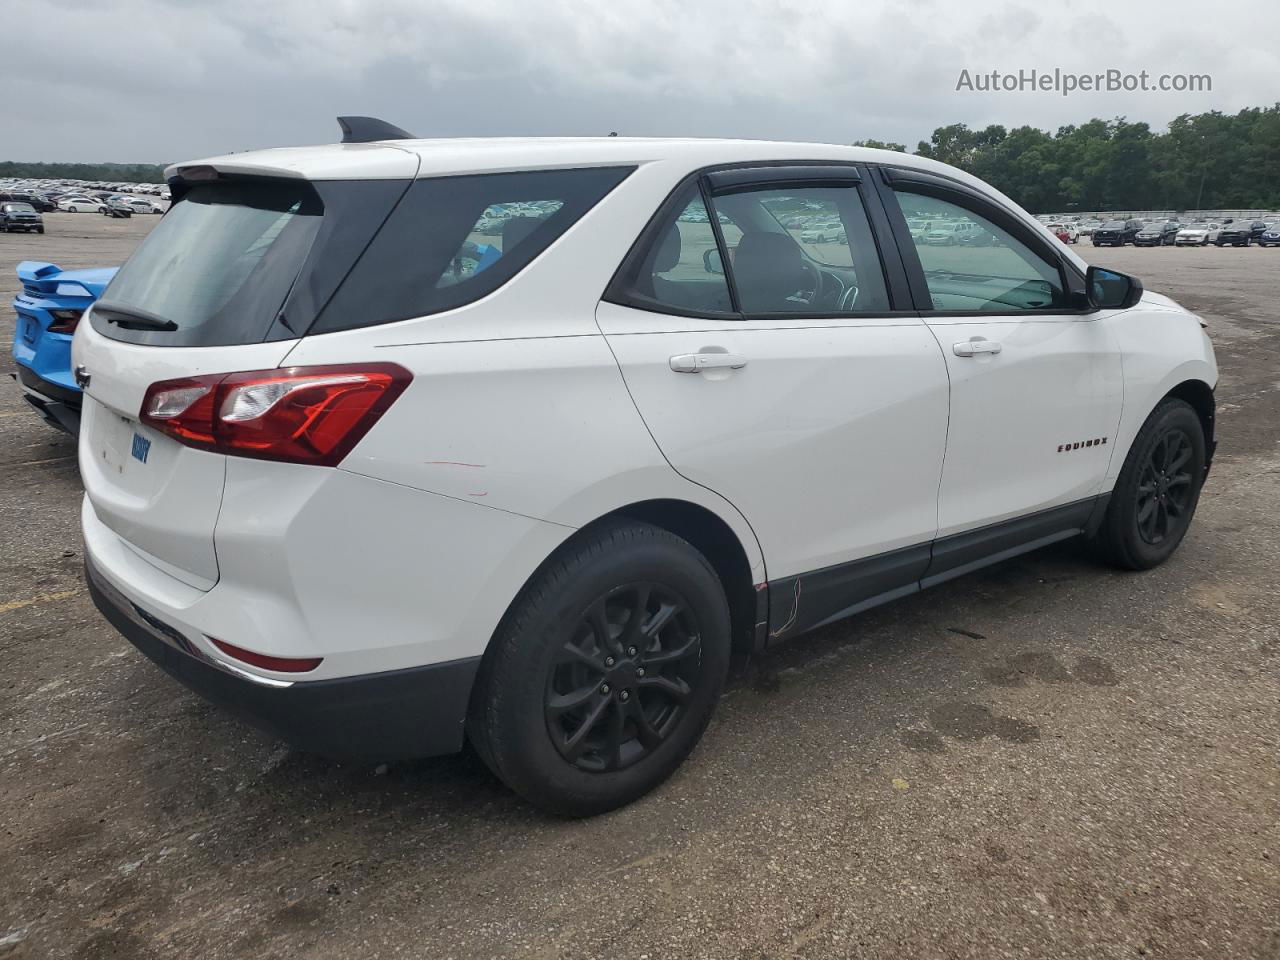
point(1203, 161)
point(113, 172)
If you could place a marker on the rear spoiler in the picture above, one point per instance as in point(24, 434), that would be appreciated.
point(363, 134)
point(47, 279)
point(40, 278)
point(36, 274)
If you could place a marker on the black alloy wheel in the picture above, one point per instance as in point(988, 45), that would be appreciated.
point(623, 678)
point(1165, 488)
point(605, 671)
point(1150, 509)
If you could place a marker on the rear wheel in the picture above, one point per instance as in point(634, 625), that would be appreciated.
point(1157, 491)
point(605, 672)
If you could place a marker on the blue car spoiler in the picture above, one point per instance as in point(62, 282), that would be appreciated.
point(38, 274)
point(49, 279)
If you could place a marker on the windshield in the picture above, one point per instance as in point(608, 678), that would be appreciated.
point(19, 208)
point(1113, 225)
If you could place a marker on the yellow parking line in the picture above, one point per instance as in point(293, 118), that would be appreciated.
point(36, 463)
point(38, 598)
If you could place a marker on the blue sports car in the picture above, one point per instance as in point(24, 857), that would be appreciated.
point(49, 307)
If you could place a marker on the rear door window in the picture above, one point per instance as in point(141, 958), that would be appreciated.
point(802, 250)
point(795, 251)
point(680, 272)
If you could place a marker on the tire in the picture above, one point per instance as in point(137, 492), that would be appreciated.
point(1133, 535)
point(556, 713)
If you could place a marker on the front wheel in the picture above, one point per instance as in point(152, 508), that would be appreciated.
point(1157, 491)
point(605, 672)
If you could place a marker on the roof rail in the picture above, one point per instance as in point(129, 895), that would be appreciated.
point(370, 129)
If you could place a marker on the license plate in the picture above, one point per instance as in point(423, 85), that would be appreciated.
point(141, 447)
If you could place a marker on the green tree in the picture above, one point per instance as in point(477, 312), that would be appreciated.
point(115, 172)
point(880, 145)
point(1204, 160)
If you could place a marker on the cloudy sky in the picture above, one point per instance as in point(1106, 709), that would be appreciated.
point(163, 80)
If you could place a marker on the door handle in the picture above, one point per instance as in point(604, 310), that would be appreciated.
point(975, 346)
point(697, 362)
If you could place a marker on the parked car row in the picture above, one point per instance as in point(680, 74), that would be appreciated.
point(84, 202)
point(45, 186)
point(1236, 233)
point(27, 214)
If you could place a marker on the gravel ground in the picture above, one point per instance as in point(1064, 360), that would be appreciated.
point(1046, 759)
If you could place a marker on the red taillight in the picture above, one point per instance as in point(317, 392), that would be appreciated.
point(309, 415)
point(64, 321)
point(280, 664)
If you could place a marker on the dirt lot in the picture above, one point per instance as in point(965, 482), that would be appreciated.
point(1048, 759)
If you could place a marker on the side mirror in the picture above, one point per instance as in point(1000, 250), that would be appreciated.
point(711, 261)
point(1110, 290)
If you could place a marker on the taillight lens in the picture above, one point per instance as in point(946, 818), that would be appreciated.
point(312, 415)
point(64, 321)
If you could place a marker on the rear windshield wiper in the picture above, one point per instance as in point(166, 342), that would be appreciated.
point(131, 318)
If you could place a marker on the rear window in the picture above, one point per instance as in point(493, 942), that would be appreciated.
point(253, 260)
point(216, 269)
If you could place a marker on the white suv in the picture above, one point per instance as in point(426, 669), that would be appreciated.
point(381, 468)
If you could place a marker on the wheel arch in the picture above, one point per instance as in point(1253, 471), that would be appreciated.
point(1165, 354)
point(711, 536)
point(1200, 396)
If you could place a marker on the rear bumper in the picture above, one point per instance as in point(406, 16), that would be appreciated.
point(58, 406)
point(418, 712)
